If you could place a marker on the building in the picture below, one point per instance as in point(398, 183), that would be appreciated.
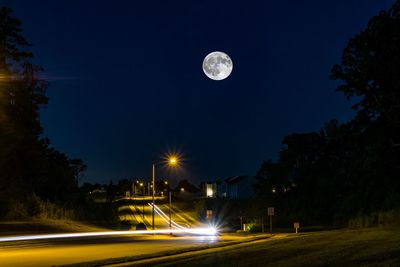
point(235, 187)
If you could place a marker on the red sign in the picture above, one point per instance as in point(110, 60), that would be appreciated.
point(209, 214)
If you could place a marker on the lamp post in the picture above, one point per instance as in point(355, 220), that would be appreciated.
point(172, 161)
point(153, 187)
point(141, 185)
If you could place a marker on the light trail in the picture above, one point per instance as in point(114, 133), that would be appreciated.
point(166, 218)
point(178, 229)
point(194, 231)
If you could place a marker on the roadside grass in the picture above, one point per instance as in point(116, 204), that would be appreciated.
point(367, 247)
point(45, 226)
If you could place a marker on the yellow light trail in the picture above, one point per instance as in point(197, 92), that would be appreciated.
point(194, 231)
point(178, 230)
point(165, 217)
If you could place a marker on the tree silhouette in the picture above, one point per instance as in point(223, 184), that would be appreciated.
point(349, 169)
point(28, 165)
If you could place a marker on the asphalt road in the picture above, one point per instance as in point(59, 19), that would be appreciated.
point(74, 250)
point(141, 212)
point(61, 251)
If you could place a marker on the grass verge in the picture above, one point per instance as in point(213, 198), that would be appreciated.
point(367, 247)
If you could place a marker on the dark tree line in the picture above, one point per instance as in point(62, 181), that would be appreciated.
point(29, 166)
point(350, 169)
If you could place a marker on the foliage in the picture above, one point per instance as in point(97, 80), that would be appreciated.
point(83, 210)
point(370, 67)
point(29, 166)
point(382, 218)
point(346, 169)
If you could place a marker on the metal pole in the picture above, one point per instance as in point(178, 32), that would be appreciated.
point(133, 193)
point(270, 224)
point(143, 207)
point(170, 198)
point(154, 186)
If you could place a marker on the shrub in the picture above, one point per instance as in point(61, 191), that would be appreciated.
point(382, 218)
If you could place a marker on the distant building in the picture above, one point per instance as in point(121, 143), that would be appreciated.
point(210, 189)
point(235, 187)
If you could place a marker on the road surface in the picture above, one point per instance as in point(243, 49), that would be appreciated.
point(140, 211)
point(60, 251)
point(56, 252)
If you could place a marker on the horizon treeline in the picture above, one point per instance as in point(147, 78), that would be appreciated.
point(352, 169)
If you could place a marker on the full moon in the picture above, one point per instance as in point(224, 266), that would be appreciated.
point(217, 65)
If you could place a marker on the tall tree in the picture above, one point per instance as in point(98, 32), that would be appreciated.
point(370, 72)
point(22, 93)
point(370, 67)
point(28, 165)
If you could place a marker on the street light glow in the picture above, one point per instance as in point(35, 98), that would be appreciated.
point(173, 160)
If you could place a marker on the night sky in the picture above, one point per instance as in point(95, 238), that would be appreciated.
point(126, 79)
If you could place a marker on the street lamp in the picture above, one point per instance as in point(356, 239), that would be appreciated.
point(141, 185)
point(172, 161)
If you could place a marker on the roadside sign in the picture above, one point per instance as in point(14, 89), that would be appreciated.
point(296, 226)
point(271, 211)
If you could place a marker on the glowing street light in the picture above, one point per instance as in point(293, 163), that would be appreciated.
point(172, 161)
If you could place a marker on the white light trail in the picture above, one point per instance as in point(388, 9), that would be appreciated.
point(194, 231)
point(166, 218)
point(178, 229)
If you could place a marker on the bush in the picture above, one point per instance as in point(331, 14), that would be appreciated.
point(17, 211)
point(34, 205)
point(383, 218)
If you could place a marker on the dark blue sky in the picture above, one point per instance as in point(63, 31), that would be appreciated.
point(127, 84)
